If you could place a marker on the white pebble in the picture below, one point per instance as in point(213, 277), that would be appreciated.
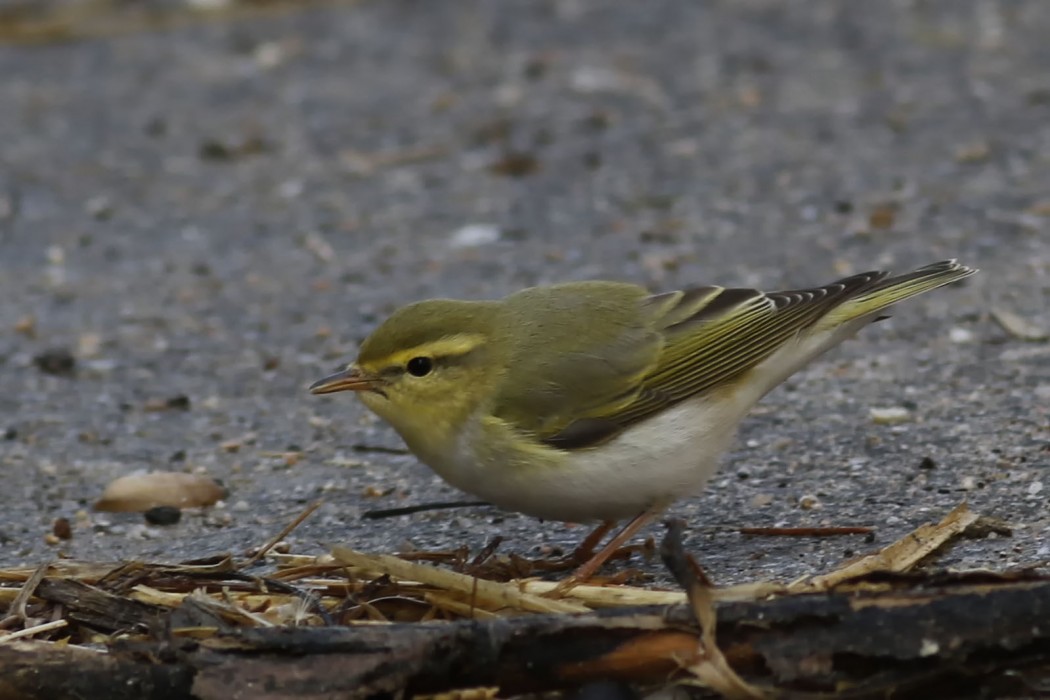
point(890, 415)
point(809, 502)
point(761, 500)
point(592, 79)
point(929, 647)
point(269, 54)
point(960, 335)
point(210, 4)
point(291, 189)
point(473, 235)
point(1035, 487)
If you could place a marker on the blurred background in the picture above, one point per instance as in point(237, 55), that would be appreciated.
point(206, 204)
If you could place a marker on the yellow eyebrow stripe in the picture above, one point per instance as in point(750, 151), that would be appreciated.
point(449, 346)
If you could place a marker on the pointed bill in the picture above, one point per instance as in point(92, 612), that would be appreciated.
point(350, 379)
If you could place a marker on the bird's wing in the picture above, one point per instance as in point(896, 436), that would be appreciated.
point(717, 335)
point(712, 336)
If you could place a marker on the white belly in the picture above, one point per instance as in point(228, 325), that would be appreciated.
point(668, 457)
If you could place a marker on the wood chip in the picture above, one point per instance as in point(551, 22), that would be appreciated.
point(488, 594)
point(1018, 327)
point(900, 556)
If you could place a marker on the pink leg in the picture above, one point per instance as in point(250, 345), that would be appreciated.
point(591, 566)
point(590, 543)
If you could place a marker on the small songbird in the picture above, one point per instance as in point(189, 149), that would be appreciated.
point(596, 401)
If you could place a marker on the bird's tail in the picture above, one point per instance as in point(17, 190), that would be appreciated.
point(890, 290)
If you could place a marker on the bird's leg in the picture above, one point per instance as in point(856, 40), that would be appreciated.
point(585, 550)
point(591, 566)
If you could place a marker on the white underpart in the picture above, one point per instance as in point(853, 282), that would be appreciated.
point(652, 464)
point(668, 457)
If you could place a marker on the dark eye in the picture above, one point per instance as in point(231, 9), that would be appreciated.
point(420, 366)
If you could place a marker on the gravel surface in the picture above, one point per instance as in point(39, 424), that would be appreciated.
point(197, 219)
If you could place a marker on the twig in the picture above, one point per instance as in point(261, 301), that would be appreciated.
point(487, 593)
point(379, 449)
point(709, 666)
point(32, 631)
point(900, 556)
point(260, 553)
point(805, 531)
point(18, 606)
point(419, 508)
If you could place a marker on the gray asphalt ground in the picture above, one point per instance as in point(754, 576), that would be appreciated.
point(221, 208)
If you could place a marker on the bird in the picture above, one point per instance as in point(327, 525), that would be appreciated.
point(598, 401)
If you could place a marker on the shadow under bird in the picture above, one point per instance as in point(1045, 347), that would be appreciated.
point(597, 401)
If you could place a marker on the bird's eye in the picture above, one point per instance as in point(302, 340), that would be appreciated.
point(420, 366)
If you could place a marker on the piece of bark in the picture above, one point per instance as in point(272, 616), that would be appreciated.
point(97, 608)
point(900, 635)
point(36, 671)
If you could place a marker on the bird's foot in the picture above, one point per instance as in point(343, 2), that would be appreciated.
point(590, 566)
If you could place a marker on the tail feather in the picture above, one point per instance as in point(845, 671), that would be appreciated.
point(890, 290)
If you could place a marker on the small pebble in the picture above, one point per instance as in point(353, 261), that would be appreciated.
point(809, 502)
point(929, 647)
point(473, 235)
point(319, 422)
point(890, 416)
point(99, 207)
point(219, 519)
point(291, 189)
point(1035, 488)
point(233, 445)
point(142, 532)
point(55, 255)
point(163, 515)
point(26, 326)
point(89, 344)
point(179, 402)
point(960, 335)
point(968, 483)
point(62, 529)
point(976, 152)
point(57, 361)
point(762, 499)
point(319, 246)
point(241, 507)
point(270, 54)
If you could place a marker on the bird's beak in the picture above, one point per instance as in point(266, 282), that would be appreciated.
point(350, 379)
